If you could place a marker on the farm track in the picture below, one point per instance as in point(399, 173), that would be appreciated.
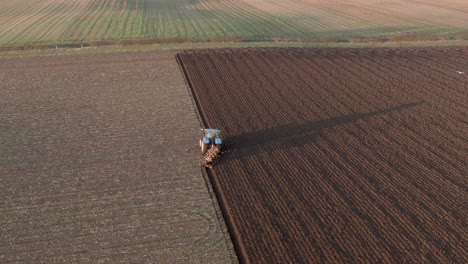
point(339, 155)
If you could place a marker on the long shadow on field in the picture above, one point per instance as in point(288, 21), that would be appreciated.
point(296, 134)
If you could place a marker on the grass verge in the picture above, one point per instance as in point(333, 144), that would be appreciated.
point(102, 49)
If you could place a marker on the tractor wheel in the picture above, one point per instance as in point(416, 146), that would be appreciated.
point(203, 146)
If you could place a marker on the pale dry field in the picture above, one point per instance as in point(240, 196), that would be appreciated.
point(98, 164)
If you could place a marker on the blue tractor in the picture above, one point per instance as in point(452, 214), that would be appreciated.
point(211, 141)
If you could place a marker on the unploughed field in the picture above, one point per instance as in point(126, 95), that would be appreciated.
point(97, 164)
point(339, 155)
point(66, 22)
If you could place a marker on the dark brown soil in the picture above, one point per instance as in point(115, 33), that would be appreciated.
point(339, 155)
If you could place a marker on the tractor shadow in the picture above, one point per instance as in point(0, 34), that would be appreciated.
point(294, 135)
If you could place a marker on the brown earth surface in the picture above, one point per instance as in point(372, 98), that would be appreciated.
point(339, 155)
point(98, 164)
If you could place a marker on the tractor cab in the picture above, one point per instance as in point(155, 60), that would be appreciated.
point(210, 139)
point(212, 136)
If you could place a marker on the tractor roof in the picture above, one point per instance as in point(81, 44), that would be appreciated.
point(212, 130)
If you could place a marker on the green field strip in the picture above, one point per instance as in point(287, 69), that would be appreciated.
point(166, 22)
point(88, 32)
point(192, 17)
point(170, 26)
point(200, 23)
point(131, 27)
point(319, 22)
point(176, 18)
point(163, 22)
point(182, 21)
point(254, 16)
point(73, 17)
point(307, 17)
point(12, 31)
point(143, 28)
point(140, 24)
point(73, 30)
point(42, 22)
point(108, 23)
point(137, 26)
point(58, 21)
point(112, 21)
point(328, 20)
point(249, 24)
point(286, 25)
point(120, 31)
point(212, 19)
point(146, 27)
point(59, 26)
point(196, 19)
point(108, 12)
point(159, 24)
point(173, 20)
point(202, 20)
point(299, 31)
point(243, 23)
point(131, 22)
point(86, 25)
point(332, 21)
point(126, 23)
point(212, 23)
point(41, 29)
point(150, 18)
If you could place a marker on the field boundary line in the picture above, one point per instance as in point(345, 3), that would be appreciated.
point(210, 182)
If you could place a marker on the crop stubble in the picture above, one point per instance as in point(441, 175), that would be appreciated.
point(339, 155)
point(96, 163)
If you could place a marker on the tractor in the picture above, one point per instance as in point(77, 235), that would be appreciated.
point(210, 145)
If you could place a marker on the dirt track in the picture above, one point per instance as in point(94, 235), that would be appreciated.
point(339, 155)
point(97, 163)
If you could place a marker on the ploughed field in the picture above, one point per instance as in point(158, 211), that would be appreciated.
point(339, 155)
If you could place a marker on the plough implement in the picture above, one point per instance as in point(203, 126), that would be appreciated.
point(210, 145)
